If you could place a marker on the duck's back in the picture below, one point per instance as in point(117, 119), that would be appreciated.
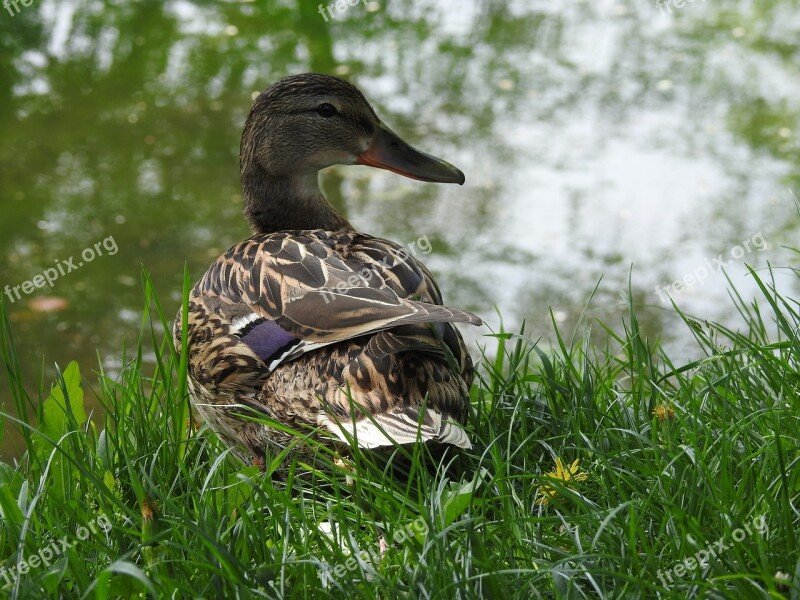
point(337, 330)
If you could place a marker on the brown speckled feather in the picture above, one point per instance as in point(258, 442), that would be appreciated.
point(347, 298)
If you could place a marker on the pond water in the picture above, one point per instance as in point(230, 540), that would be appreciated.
point(600, 139)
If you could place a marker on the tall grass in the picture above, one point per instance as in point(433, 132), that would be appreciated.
point(678, 460)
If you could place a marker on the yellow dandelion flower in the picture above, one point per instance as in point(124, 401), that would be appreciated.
point(663, 412)
point(572, 473)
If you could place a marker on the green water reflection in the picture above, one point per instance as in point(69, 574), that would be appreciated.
point(594, 136)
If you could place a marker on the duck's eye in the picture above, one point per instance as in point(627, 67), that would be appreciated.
point(327, 110)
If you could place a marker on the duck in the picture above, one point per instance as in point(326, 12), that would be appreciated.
point(310, 327)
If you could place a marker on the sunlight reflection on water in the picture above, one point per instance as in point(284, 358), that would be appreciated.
point(596, 137)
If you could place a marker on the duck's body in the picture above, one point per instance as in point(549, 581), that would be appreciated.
point(310, 323)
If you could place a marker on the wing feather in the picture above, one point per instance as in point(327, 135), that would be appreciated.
point(326, 288)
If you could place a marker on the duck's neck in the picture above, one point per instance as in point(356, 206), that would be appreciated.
point(274, 203)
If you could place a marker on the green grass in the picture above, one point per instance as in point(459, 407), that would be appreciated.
point(151, 508)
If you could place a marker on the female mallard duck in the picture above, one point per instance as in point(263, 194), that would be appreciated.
point(308, 321)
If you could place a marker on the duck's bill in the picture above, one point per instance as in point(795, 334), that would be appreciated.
point(388, 151)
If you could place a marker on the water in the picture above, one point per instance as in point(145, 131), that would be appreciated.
point(597, 137)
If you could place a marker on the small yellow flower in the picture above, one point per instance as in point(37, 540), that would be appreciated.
point(563, 475)
point(663, 412)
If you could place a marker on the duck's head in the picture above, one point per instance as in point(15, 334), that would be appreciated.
point(305, 123)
